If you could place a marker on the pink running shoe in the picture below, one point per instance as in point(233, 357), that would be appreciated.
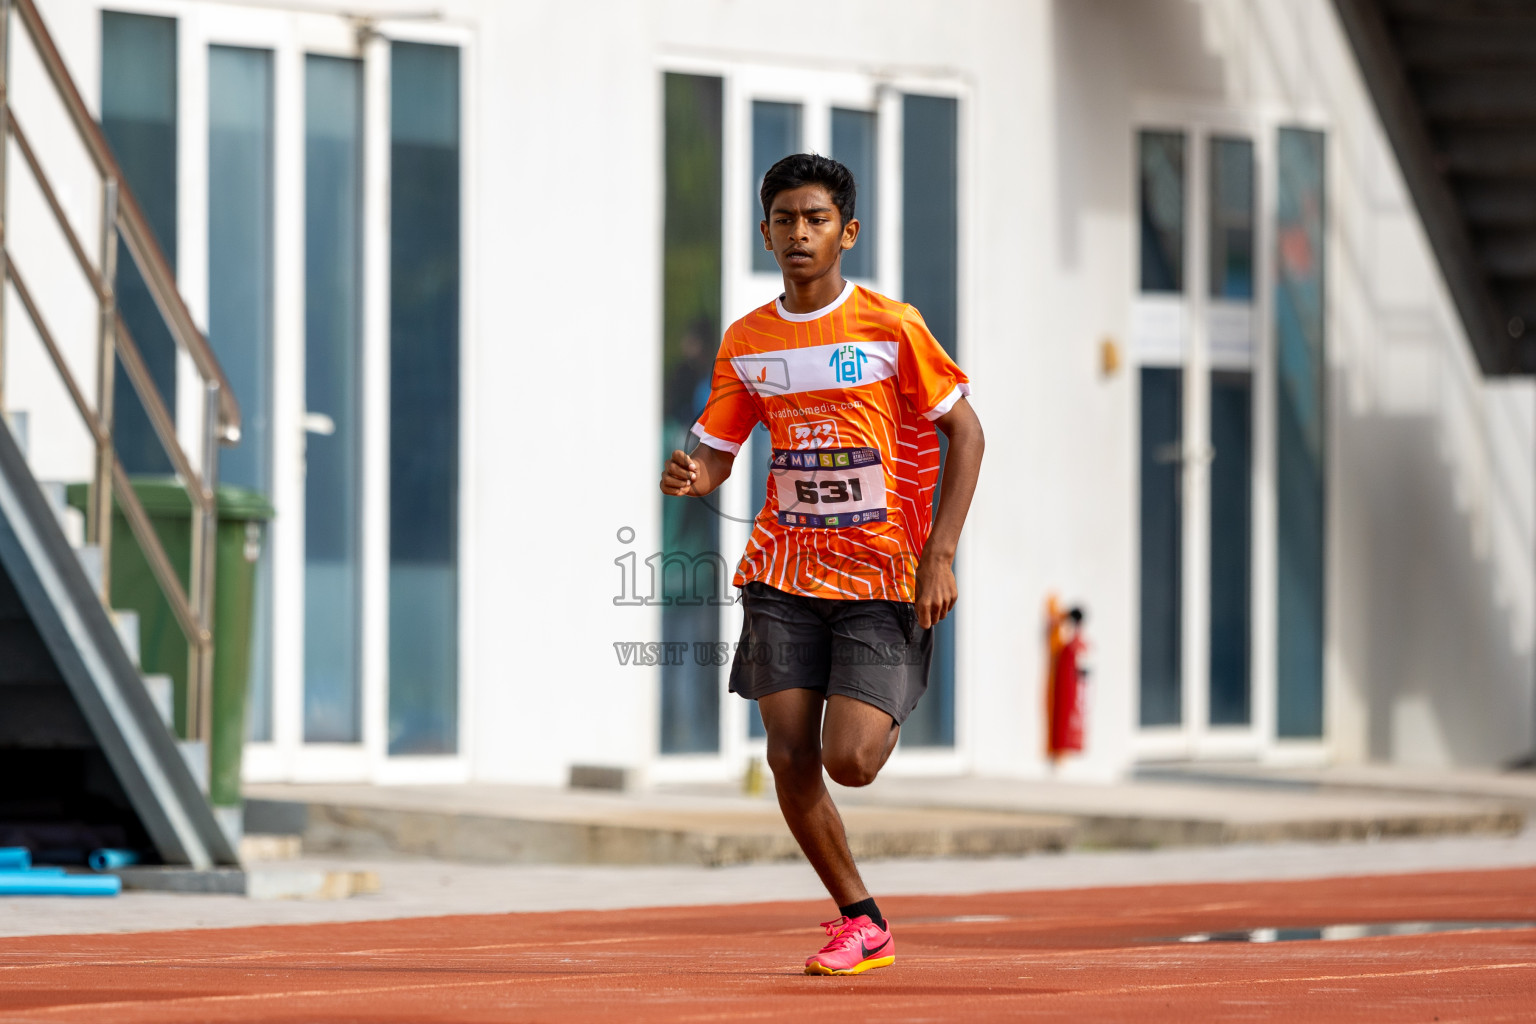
point(855, 946)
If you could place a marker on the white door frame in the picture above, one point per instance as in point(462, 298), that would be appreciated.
point(1179, 331)
point(291, 35)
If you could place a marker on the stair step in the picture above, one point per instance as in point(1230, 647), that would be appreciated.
point(56, 492)
point(195, 753)
point(162, 691)
point(262, 846)
point(127, 625)
point(20, 422)
point(90, 561)
point(232, 821)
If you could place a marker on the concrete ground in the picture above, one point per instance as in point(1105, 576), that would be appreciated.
point(414, 887)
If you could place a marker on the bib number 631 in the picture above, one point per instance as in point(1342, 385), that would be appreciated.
point(828, 492)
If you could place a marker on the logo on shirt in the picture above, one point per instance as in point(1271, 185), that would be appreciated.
point(814, 434)
point(763, 375)
point(848, 363)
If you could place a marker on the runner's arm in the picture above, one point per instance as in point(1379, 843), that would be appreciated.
point(696, 473)
point(936, 588)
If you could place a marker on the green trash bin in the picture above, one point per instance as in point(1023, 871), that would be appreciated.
point(243, 515)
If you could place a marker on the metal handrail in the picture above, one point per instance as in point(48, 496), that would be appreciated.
point(121, 217)
point(132, 223)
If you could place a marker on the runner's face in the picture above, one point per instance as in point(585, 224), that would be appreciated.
point(806, 233)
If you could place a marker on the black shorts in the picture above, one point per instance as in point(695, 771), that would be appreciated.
point(872, 651)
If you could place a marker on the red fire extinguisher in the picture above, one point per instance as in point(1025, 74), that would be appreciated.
point(1068, 683)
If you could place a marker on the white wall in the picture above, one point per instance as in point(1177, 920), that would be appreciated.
point(59, 443)
point(1432, 469)
point(568, 388)
point(1431, 487)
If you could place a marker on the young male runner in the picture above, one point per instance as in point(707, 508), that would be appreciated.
point(843, 579)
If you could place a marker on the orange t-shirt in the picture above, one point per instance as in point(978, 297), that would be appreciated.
point(849, 394)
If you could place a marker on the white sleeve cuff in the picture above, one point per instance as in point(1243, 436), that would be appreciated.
point(960, 391)
point(719, 444)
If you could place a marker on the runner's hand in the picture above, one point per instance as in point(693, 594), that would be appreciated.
point(678, 476)
point(936, 592)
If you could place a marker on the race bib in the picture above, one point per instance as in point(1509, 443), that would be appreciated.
point(829, 487)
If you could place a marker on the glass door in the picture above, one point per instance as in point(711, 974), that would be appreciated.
point(1194, 335)
point(328, 209)
point(279, 206)
point(333, 320)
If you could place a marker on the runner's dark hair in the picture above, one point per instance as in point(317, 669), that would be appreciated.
point(801, 169)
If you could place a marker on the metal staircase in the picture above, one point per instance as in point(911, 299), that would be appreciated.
point(87, 754)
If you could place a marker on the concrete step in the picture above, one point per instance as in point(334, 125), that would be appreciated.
point(590, 829)
point(899, 817)
point(162, 691)
point(90, 560)
point(283, 882)
point(232, 821)
point(70, 519)
point(265, 847)
point(195, 754)
point(1515, 788)
point(127, 625)
point(20, 423)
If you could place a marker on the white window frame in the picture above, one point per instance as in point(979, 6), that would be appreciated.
point(1192, 318)
point(291, 35)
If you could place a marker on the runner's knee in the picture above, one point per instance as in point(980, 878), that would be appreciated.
point(851, 767)
point(789, 760)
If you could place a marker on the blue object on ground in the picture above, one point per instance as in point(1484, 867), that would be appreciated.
point(111, 860)
point(15, 858)
point(49, 883)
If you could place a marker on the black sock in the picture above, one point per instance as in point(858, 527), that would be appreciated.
point(865, 906)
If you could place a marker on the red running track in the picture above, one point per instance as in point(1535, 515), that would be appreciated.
point(1082, 955)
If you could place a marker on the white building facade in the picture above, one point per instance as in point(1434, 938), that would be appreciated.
point(466, 271)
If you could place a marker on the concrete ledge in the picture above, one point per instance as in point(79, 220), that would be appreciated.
point(297, 882)
point(704, 838)
point(229, 881)
point(918, 818)
point(1152, 832)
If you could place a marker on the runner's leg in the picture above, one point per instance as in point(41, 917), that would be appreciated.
point(792, 719)
point(856, 740)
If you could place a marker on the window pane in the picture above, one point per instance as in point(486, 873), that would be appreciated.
point(424, 399)
point(854, 141)
point(691, 273)
point(240, 299)
point(1161, 188)
point(1231, 545)
point(333, 162)
point(1300, 432)
point(1162, 520)
point(1231, 238)
point(930, 267)
point(775, 135)
point(138, 116)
